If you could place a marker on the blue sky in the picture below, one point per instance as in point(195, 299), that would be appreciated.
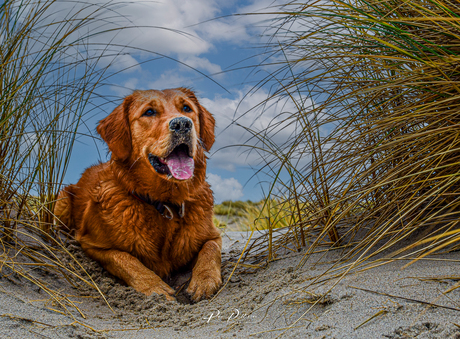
point(212, 42)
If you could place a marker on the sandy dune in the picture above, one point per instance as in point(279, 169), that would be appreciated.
point(276, 301)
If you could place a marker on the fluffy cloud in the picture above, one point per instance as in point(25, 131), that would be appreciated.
point(126, 63)
point(225, 189)
point(170, 79)
point(201, 64)
point(127, 88)
point(181, 29)
point(237, 145)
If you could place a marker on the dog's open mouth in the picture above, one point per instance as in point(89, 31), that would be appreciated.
point(178, 163)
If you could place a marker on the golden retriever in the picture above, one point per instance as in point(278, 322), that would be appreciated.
point(148, 211)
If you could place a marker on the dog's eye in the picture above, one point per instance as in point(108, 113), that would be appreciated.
point(150, 112)
point(186, 109)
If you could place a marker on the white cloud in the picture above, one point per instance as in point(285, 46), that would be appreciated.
point(201, 64)
point(125, 62)
point(173, 28)
point(170, 79)
point(277, 120)
point(127, 88)
point(225, 189)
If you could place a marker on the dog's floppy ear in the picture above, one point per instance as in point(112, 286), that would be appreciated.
point(114, 129)
point(207, 125)
point(207, 121)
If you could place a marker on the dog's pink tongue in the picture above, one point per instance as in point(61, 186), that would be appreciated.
point(180, 165)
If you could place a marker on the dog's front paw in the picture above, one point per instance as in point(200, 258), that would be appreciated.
point(204, 284)
point(157, 286)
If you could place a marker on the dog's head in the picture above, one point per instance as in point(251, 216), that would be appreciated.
point(166, 130)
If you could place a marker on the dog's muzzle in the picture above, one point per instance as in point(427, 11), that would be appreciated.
point(178, 162)
point(181, 126)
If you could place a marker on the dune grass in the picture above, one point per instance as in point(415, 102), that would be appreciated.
point(247, 215)
point(50, 77)
point(374, 159)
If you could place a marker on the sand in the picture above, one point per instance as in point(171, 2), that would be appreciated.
point(277, 301)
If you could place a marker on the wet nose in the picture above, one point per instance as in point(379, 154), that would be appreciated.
point(180, 125)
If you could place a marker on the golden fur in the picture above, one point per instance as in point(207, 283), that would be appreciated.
point(128, 236)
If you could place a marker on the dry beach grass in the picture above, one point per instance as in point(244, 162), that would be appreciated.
point(374, 84)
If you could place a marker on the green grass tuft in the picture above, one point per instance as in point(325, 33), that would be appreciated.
point(375, 157)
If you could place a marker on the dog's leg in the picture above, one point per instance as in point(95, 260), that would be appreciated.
point(132, 271)
point(206, 277)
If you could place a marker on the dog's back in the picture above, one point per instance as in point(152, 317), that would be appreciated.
point(71, 197)
point(63, 209)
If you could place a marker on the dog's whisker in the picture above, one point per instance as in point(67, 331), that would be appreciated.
point(134, 163)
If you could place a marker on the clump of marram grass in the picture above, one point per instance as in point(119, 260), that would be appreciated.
point(374, 157)
point(232, 215)
point(45, 85)
point(49, 78)
point(231, 208)
point(219, 223)
point(373, 153)
point(248, 215)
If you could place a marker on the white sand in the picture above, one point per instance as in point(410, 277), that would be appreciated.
point(273, 302)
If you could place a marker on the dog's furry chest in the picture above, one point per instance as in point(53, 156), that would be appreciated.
point(161, 244)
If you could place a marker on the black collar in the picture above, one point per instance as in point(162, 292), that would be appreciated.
point(164, 209)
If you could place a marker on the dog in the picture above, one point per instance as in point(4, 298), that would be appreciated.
point(148, 212)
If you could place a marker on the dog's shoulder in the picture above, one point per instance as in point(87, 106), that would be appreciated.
point(93, 177)
point(93, 174)
point(92, 189)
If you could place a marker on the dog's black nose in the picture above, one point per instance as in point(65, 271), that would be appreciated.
point(180, 125)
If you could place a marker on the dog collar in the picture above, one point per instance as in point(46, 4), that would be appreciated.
point(165, 210)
